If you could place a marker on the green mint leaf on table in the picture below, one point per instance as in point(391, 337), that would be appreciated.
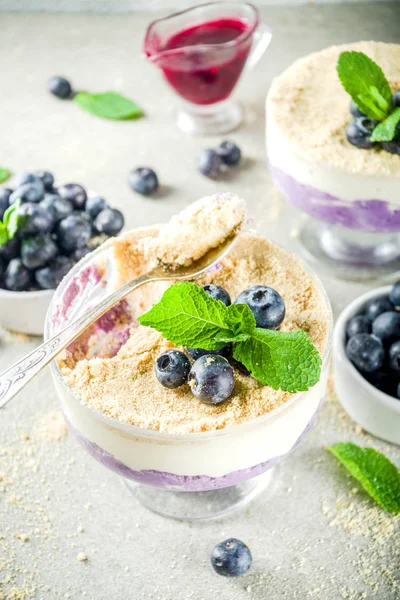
point(187, 316)
point(386, 130)
point(366, 83)
point(108, 105)
point(378, 476)
point(4, 174)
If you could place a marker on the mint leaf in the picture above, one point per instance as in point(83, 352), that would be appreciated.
point(108, 105)
point(378, 476)
point(3, 234)
point(386, 131)
point(4, 174)
point(283, 360)
point(366, 83)
point(187, 316)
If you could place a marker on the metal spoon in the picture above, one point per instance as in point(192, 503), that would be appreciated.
point(17, 376)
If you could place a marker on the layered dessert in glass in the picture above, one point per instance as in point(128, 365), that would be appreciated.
point(351, 194)
point(167, 441)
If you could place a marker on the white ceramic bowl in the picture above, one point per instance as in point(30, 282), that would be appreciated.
point(376, 412)
point(24, 312)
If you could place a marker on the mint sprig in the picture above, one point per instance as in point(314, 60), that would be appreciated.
point(386, 131)
point(378, 476)
point(108, 105)
point(11, 223)
point(4, 174)
point(187, 316)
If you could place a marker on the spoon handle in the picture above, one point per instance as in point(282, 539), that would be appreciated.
point(17, 376)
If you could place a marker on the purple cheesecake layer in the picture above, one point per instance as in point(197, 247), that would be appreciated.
point(366, 215)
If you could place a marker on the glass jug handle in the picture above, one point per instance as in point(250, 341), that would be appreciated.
point(261, 40)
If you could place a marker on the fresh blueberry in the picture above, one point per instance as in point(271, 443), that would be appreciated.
point(366, 352)
point(396, 99)
point(37, 251)
point(211, 379)
point(17, 277)
point(49, 277)
point(60, 87)
point(376, 307)
point(394, 357)
point(73, 232)
point(230, 153)
point(355, 111)
point(143, 180)
point(231, 558)
point(5, 194)
point(59, 207)
point(394, 295)
point(266, 305)
point(209, 163)
point(109, 221)
point(78, 254)
point(47, 179)
point(94, 205)
point(172, 369)
point(10, 249)
point(387, 327)
point(23, 178)
point(218, 293)
point(359, 131)
point(392, 147)
point(38, 219)
point(384, 380)
point(75, 193)
point(358, 324)
point(196, 353)
point(2, 269)
point(29, 192)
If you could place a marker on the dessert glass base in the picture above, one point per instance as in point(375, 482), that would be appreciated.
point(218, 118)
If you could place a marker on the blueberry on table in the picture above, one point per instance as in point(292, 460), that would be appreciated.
point(209, 163)
point(60, 87)
point(73, 232)
point(172, 369)
point(47, 178)
point(5, 194)
point(366, 352)
point(94, 205)
point(218, 293)
point(143, 180)
point(38, 219)
point(355, 111)
point(359, 131)
point(376, 307)
point(49, 277)
point(10, 249)
point(211, 379)
point(75, 193)
point(394, 357)
point(358, 324)
point(230, 153)
point(394, 294)
point(266, 305)
point(387, 327)
point(196, 353)
point(109, 221)
point(392, 147)
point(2, 269)
point(37, 251)
point(59, 207)
point(231, 558)
point(29, 192)
point(17, 277)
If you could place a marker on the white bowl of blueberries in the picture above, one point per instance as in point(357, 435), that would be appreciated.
point(366, 361)
point(57, 226)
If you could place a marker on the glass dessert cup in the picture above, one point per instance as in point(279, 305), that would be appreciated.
point(202, 52)
point(188, 476)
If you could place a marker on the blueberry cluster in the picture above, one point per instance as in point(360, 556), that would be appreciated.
point(60, 226)
point(211, 162)
point(211, 377)
point(359, 130)
point(373, 344)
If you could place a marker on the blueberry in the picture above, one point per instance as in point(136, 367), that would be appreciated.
point(358, 324)
point(143, 180)
point(60, 87)
point(218, 293)
point(17, 277)
point(355, 111)
point(5, 194)
point(376, 307)
point(29, 192)
point(38, 219)
point(49, 277)
point(384, 380)
point(394, 295)
point(266, 305)
point(211, 379)
point(79, 253)
point(230, 153)
point(47, 178)
point(75, 193)
point(73, 232)
point(94, 205)
point(398, 391)
point(394, 357)
point(366, 352)
point(23, 178)
point(392, 147)
point(38, 250)
point(10, 249)
point(387, 327)
point(2, 269)
point(358, 132)
point(109, 221)
point(172, 369)
point(59, 207)
point(231, 558)
point(196, 353)
point(396, 99)
point(209, 163)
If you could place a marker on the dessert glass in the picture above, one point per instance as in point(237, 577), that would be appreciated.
point(188, 476)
